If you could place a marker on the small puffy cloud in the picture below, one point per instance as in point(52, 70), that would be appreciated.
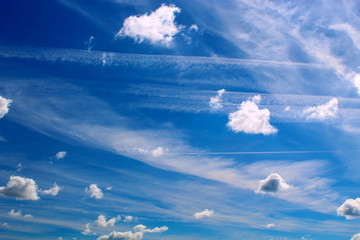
point(52, 191)
point(18, 214)
point(324, 111)
point(60, 155)
point(128, 219)
point(350, 208)
point(356, 237)
point(101, 221)
point(20, 188)
point(157, 152)
point(194, 27)
point(4, 106)
point(287, 108)
point(157, 27)
point(87, 230)
point(108, 188)
point(270, 225)
point(94, 191)
point(273, 183)
point(215, 102)
point(205, 213)
point(143, 228)
point(122, 236)
point(60, 238)
point(250, 119)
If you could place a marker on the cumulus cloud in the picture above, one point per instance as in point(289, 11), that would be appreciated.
point(52, 191)
point(136, 234)
point(20, 188)
point(250, 119)
point(215, 102)
point(94, 191)
point(205, 213)
point(60, 155)
point(270, 225)
point(324, 111)
point(101, 221)
point(350, 208)
point(157, 27)
point(194, 27)
point(4, 106)
point(356, 237)
point(108, 188)
point(273, 183)
point(128, 219)
point(87, 230)
point(18, 214)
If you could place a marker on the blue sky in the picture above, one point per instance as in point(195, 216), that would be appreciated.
point(177, 120)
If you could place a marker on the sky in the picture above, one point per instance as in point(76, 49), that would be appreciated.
point(179, 120)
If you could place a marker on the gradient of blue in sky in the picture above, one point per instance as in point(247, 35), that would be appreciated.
point(177, 120)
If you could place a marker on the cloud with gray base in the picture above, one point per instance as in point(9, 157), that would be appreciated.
point(323, 111)
point(250, 119)
point(4, 106)
point(205, 213)
point(20, 188)
point(350, 208)
point(101, 221)
point(158, 27)
point(94, 191)
point(273, 183)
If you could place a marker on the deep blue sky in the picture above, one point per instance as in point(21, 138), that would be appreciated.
point(197, 119)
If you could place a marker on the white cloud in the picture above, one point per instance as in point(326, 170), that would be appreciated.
point(128, 219)
point(108, 188)
point(101, 221)
point(19, 167)
point(157, 152)
point(136, 234)
point(52, 191)
point(287, 108)
point(205, 213)
point(122, 236)
point(60, 238)
point(94, 191)
point(20, 188)
point(194, 27)
point(324, 111)
point(250, 119)
point(273, 183)
point(356, 237)
point(4, 106)
point(60, 155)
point(352, 32)
point(270, 225)
point(157, 27)
point(5, 224)
point(350, 208)
point(215, 102)
point(18, 214)
point(87, 230)
point(143, 228)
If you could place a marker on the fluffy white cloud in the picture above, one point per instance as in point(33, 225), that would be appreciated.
point(143, 228)
point(324, 111)
point(20, 188)
point(205, 213)
point(250, 119)
point(87, 230)
point(273, 183)
point(18, 214)
point(122, 236)
point(128, 219)
point(350, 208)
point(356, 237)
point(4, 106)
point(60, 155)
point(157, 27)
point(52, 191)
point(108, 188)
point(270, 225)
point(194, 27)
point(101, 221)
point(215, 102)
point(136, 234)
point(94, 191)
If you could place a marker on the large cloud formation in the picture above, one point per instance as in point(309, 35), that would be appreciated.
point(4, 106)
point(250, 119)
point(157, 27)
point(324, 111)
point(20, 188)
point(350, 208)
point(273, 183)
